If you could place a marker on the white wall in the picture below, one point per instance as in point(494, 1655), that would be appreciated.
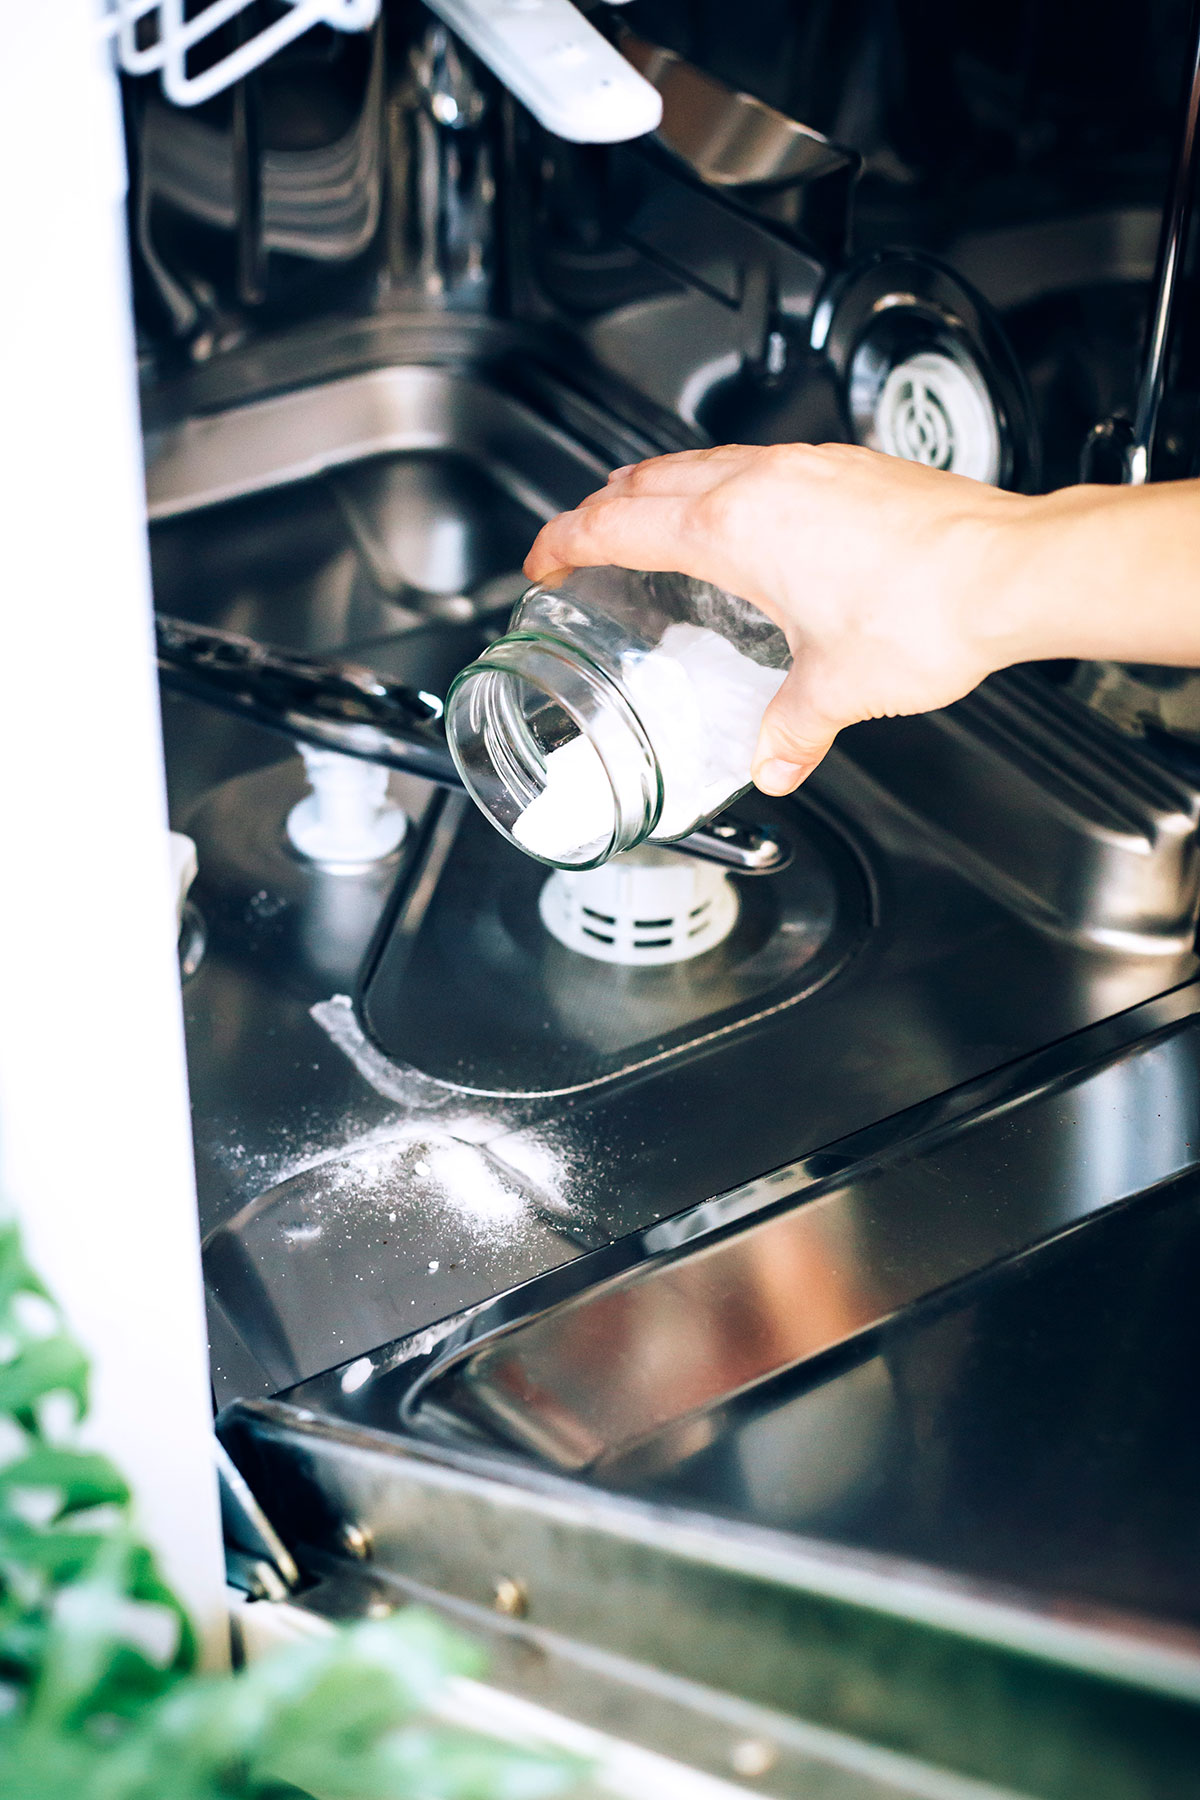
point(94, 1144)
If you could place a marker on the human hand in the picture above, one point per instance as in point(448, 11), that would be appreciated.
point(889, 580)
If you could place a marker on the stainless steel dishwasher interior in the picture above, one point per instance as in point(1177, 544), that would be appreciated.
point(406, 1103)
point(385, 514)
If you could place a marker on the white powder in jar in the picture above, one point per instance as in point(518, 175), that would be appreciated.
point(702, 719)
point(700, 702)
point(574, 809)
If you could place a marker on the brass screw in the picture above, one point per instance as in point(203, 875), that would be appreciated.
point(511, 1598)
point(356, 1541)
point(752, 1758)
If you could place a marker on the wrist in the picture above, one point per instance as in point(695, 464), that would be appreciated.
point(1006, 614)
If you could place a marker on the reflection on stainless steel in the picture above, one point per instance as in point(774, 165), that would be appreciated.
point(1171, 249)
point(884, 1678)
point(678, 347)
point(418, 1201)
point(955, 973)
point(333, 705)
point(257, 1559)
point(446, 225)
point(473, 990)
point(273, 442)
point(191, 941)
point(320, 202)
point(645, 1353)
point(727, 138)
point(425, 525)
point(1145, 700)
point(1071, 821)
point(1015, 264)
point(750, 849)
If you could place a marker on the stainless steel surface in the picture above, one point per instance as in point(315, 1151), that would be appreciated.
point(1074, 823)
point(639, 1279)
point(723, 1744)
point(334, 705)
point(973, 1685)
point(750, 849)
point(321, 201)
point(289, 177)
point(1013, 265)
point(688, 1332)
point(472, 989)
point(306, 1128)
point(257, 1558)
point(1171, 249)
point(726, 138)
point(1146, 701)
point(245, 149)
point(448, 217)
point(286, 438)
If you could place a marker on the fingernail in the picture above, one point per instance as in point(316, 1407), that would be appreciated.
point(777, 776)
point(623, 470)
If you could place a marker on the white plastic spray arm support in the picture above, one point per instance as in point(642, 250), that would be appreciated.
point(347, 819)
point(570, 77)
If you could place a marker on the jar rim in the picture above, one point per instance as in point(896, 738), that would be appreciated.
point(600, 712)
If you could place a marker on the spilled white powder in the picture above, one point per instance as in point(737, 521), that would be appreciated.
point(700, 702)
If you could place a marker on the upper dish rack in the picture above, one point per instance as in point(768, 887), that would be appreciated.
point(160, 35)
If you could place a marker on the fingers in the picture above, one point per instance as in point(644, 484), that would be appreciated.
point(632, 533)
point(687, 472)
point(598, 530)
point(793, 738)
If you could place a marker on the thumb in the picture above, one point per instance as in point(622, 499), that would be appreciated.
point(792, 739)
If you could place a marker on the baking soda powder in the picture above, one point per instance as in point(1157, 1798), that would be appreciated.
point(700, 702)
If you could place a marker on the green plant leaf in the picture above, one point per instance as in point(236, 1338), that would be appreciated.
point(81, 1478)
point(16, 1276)
point(441, 1764)
point(146, 1583)
point(85, 1634)
point(107, 1710)
point(57, 1556)
point(49, 1365)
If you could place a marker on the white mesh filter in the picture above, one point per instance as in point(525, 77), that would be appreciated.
point(936, 410)
point(158, 35)
point(650, 906)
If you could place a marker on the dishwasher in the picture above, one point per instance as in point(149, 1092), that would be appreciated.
point(777, 1354)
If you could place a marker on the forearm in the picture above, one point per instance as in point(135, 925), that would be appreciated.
point(900, 587)
point(1097, 573)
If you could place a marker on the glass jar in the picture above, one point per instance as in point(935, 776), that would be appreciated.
point(619, 707)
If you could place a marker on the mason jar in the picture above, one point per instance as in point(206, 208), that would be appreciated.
point(620, 707)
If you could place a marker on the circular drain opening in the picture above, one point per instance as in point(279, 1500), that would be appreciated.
point(647, 907)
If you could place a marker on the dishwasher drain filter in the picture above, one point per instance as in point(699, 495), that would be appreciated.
point(650, 906)
point(478, 980)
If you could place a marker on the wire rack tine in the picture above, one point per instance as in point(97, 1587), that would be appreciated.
point(176, 34)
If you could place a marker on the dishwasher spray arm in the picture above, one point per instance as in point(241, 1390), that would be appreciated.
point(331, 705)
point(344, 707)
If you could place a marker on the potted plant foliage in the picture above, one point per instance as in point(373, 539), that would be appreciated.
point(99, 1695)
